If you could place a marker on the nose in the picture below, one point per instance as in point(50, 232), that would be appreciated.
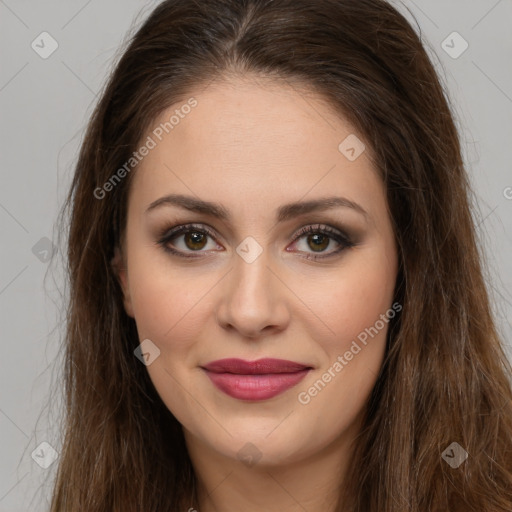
point(254, 299)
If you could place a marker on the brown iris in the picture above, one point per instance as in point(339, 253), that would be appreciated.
point(320, 241)
point(195, 240)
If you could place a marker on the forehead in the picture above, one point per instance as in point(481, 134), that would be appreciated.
point(248, 116)
point(246, 137)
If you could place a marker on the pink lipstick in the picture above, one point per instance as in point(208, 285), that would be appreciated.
point(255, 380)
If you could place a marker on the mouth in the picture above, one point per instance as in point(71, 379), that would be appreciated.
point(255, 380)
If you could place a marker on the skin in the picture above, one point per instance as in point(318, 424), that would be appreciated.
point(253, 146)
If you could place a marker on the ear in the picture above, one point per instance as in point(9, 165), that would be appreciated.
point(118, 265)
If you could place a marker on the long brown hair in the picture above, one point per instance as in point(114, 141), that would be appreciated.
point(445, 377)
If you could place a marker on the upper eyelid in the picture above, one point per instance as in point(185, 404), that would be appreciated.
point(181, 229)
point(209, 229)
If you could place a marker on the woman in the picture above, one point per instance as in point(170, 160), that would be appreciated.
point(277, 298)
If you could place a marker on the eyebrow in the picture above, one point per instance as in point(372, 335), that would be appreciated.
point(284, 212)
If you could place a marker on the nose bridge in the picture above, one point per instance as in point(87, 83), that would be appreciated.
point(253, 298)
point(251, 278)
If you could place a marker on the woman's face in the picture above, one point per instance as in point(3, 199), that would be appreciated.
point(252, 166)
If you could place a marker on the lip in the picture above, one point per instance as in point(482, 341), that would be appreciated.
point(255, 380)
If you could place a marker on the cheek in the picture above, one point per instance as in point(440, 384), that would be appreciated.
point(167, 302)
point(169, 311)
point(353, 355)
point(334, 397)
point(363, 292)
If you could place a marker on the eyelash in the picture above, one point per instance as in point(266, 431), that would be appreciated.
point(339, 237)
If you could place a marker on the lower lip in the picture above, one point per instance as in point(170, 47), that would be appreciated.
point(256, 387)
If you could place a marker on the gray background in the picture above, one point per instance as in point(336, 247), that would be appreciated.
point(45, 104)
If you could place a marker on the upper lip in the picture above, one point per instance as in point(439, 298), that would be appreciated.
point(260, 366)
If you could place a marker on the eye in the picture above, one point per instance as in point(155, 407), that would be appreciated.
point(186, 239)
point(194, 238)
point(320, 237)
